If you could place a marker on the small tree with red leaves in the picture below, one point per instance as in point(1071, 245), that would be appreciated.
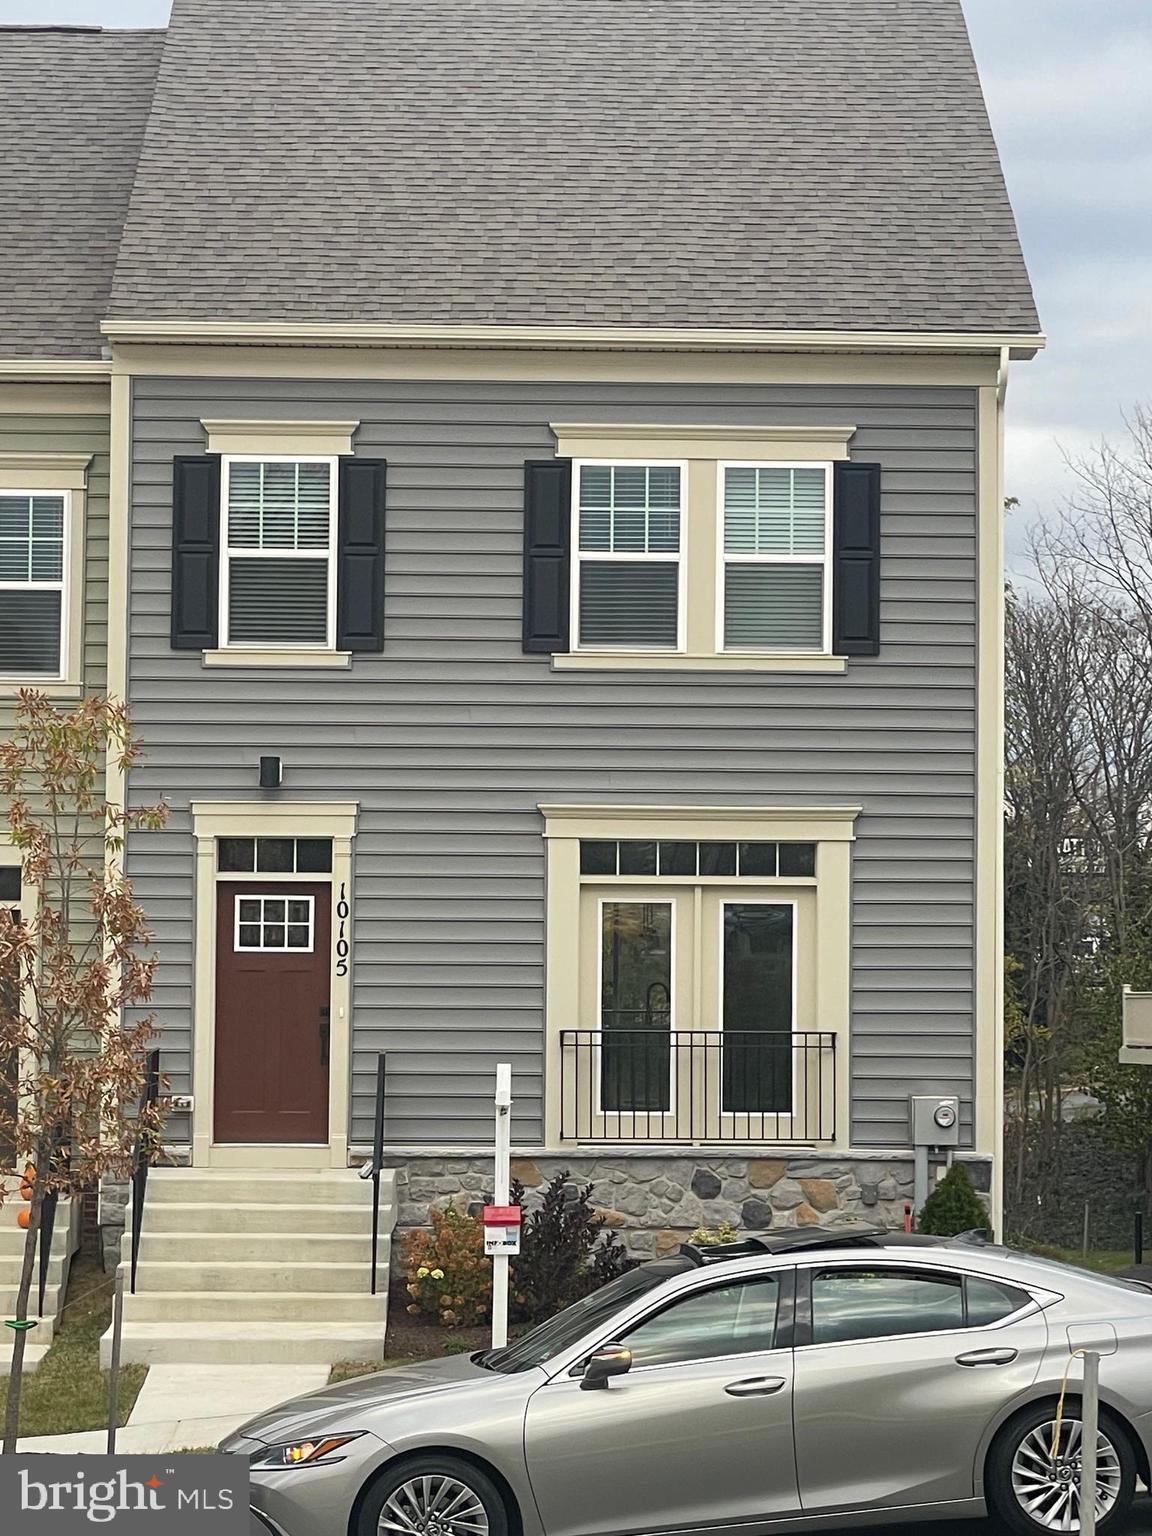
point(72, 1069)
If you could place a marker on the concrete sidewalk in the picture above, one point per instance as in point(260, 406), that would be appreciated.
point(181, 1406)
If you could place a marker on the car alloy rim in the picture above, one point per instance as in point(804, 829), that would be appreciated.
point(1047, 1486)
point(434, 1505)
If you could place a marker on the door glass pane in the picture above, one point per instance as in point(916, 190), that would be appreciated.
point(735, 1319)
point(757, 1016)
point(870, 1304)
point(636, 1005)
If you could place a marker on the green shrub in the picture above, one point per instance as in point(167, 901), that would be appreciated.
point(709, 1237)
point(566, 1251)
point(953, 1206)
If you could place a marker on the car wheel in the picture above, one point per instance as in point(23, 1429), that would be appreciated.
point(433, 1496)
point(1032, 1479)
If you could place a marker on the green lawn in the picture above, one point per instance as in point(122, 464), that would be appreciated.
point(1105, 1261)
point(69, 1392)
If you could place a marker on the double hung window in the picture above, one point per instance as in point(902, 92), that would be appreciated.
point(776, 530)
point(278, 572)
point(627, 576)
point(34, 579)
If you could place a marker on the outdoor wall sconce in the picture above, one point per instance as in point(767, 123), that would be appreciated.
point(271, 773)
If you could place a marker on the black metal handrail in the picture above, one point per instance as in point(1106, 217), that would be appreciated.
point(377, 1159)
point(652, 1083)
point(142, 1159)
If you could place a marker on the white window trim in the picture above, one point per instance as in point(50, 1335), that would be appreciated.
point(609, 556)
point(68, 675)
point(724, 559)
point(832, 827)
point(228, 552)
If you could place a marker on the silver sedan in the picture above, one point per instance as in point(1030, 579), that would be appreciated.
point(802, 1378)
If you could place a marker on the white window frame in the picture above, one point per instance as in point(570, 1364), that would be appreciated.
point(272, 949)
point(723, 559)
point(609, 556)
point(64, 586)
point(666, 1117)
point(731, 1119)
point(228, 552)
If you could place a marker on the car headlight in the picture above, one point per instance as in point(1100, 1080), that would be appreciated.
point(300, 1453)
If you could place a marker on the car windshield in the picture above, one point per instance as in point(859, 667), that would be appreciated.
point(584, 1316)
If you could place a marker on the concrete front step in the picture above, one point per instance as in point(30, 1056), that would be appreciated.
point(285, 1274)
point(187, 1216)
point(205, 1343)
point(256, 1247)
point(256, 1306)
point(219, 1186)
point(11, 1270)
point(33, 1353)
point(12, 1239)
point(52, 1298)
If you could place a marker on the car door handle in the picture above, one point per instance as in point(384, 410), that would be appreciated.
point(988, 1357)
point(756, 1386)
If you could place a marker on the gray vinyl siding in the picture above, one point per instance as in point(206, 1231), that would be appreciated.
point(54, 432)
point(451, 737)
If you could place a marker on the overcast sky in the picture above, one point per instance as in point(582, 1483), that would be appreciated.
point(1067, 85)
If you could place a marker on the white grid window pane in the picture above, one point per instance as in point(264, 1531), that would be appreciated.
point(261, 925)
point(31, 538)
point(631, 509)
point(776, 607)
point(277, 505)
point(770, 510)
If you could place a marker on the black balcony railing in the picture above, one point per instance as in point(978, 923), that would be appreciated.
point(636, 1079)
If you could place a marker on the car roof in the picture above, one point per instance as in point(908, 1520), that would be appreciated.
point(806, 1239)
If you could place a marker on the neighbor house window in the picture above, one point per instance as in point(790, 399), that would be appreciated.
point(278, 574)
point(776, 525)
point(627, 574)
point(33, 584)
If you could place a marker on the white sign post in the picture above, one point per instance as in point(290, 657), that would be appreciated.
point(501, 1236)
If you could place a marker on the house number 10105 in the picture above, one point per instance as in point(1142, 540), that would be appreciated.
point(342, 913)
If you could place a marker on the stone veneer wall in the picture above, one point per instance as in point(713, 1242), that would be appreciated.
point(655, 1201)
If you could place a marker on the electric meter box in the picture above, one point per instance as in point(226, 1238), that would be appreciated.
point(935, 1121)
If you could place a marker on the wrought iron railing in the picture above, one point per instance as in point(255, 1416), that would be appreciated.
point(142, 1160)
point(652, 1083)
point(377, 1159)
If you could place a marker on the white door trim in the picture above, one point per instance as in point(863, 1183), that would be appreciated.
point(212, 819)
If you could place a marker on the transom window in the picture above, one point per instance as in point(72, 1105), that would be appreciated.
point(776, 529)
point(33, 583)
point(278, 574)
point(760, 861)
point(627, 574)
point(274, 922)
point(275, 855)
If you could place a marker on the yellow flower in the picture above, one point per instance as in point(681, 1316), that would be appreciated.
point(422, 1272)
point(437, 1274)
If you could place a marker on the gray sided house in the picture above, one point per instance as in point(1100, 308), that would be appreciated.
point(73, 103)
point(564, 615)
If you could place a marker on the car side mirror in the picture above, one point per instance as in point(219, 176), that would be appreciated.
point(611, 1360)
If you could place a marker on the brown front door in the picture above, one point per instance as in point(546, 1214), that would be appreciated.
point(273, 965)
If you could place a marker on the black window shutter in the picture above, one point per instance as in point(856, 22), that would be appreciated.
point(856, 556)
point(360, 555)
point(547, 554)
point(195, 551)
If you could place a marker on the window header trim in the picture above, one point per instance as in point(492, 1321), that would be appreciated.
point(634, 440)
point(280, 439)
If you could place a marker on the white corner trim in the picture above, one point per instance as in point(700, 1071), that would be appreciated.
point(685, 661)
point(23, 471)
point(324, 438)
point(631, 440)
point(648, 338)
point(301, 657)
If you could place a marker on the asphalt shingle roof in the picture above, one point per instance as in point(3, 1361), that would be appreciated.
point(705, 163)
point(73, 105)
